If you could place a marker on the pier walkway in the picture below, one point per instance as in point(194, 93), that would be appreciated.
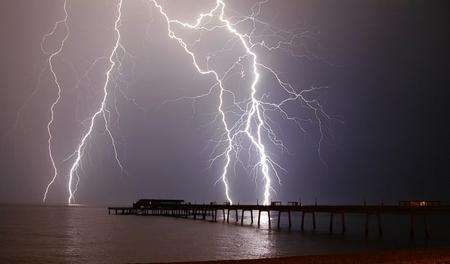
point(210, 212)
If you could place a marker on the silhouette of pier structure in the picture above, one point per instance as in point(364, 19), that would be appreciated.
point(210, 212)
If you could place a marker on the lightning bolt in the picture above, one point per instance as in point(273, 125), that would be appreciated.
point(56, 81)
point(101, 112)
point(183, 44)
point(253, 123)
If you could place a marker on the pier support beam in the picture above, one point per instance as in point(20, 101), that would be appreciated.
point(242, 216)
point(343, 222)
point(259, 217)
point(302, 226)
point(289, 219)
point(366, 226)
point(331, 222)
point(278, 220)
point(412, 231)
point(314, 220)
point(427, 229)
point(380, 228)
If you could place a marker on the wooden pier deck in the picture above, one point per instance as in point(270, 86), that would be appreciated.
point(210, 212)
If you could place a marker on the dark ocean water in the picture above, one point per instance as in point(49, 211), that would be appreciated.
point(82, 234)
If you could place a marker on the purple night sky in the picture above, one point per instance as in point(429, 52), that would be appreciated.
point(384, 64)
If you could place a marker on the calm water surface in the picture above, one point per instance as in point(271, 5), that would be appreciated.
point(57, 234)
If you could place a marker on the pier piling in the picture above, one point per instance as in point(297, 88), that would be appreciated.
point(331, 222)
point(343, 222)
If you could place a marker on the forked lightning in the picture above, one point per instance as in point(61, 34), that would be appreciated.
point(253, 123)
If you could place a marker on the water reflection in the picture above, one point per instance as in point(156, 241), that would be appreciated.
point(79, 234)
point(255, 244)
point(73, 233)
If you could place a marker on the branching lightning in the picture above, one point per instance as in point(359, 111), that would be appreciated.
point(254, 112)
point(245, 120)
point(100, 112)
point(52, 55)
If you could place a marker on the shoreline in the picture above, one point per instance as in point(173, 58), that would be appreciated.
point(418, 256)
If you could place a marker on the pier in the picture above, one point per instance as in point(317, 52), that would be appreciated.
point(235, 213)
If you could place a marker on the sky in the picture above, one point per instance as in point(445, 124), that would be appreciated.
point(382, 65)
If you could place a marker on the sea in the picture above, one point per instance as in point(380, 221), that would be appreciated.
point(88, 234)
